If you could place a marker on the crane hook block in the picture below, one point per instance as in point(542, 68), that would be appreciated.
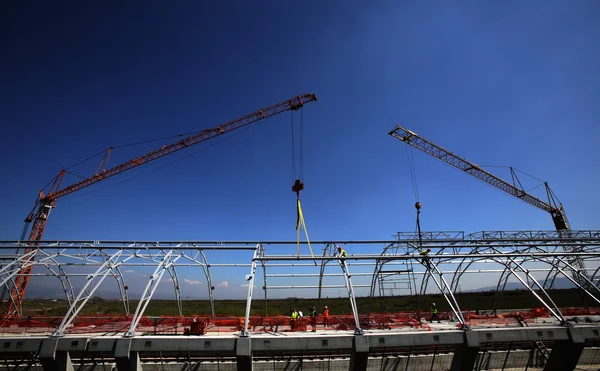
point(418, 206)
point(298, 186)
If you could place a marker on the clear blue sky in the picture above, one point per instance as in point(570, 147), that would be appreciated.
point(499, 83)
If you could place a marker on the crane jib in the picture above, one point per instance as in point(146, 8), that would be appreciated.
point(44, 204)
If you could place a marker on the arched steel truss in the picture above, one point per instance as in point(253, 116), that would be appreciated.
point(520, 256)
point(492, 248)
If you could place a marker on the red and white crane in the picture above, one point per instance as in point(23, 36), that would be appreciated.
point(45, 202)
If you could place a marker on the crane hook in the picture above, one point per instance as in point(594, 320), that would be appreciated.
point(297, 187)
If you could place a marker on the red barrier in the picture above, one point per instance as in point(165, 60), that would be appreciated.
point(201, 324)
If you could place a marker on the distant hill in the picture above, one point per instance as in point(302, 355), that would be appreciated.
point(50, 290)
point(559, 283)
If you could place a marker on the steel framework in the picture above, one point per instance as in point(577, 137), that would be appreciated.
point(553, 206)
point(532, 258)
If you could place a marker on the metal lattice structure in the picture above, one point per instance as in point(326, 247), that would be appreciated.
point(532, 258)
point(553, 206)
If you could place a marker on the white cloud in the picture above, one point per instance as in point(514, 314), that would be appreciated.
point(222, 284)
point(192, 282)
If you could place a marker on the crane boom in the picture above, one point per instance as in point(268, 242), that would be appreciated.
point(580, 274)
point(417, 141)
point(290, 104)
point(44, 203)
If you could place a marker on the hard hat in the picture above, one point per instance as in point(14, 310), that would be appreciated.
point(432, 303)
point(326, 307)
point(339, 247)
point(428, 249)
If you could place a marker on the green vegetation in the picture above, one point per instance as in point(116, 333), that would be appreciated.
point(518, 299)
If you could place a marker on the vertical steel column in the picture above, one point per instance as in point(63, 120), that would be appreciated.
point(250, 278)
point(347, 276)
point(123, 290)
point(175, 278)
point(377, 274)
point(321, 272)
point(211, 288)
point(264, 268)
point(165, 263)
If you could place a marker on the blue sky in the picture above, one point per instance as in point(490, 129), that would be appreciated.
point(499, 83)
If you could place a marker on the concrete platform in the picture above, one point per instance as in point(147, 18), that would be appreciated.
point(454, 348)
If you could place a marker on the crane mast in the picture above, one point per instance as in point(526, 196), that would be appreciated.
point(555, 210)
point(45, 202)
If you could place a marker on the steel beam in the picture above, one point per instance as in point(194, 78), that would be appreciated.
point(211, 287)
point(165, 263)
point(85, 294)
point(250, 279)
point(445, 290)
point(350, 289)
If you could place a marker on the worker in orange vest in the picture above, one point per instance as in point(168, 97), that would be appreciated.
point(326, 317)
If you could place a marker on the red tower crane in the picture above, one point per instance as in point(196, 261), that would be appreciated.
point(45, 202)
point(553, 207)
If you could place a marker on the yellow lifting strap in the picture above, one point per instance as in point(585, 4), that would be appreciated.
point(300, 224)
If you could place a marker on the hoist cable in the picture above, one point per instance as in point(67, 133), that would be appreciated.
point(133, 144)
point(84, 160)
point(301, 144)
point(157, 139)
point(293, 148)
point(75, 175)
point(50, 182)
point(412, 171)
point(417, 292)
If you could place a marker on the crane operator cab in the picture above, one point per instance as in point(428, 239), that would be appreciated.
point(560, 222)
point(45, 211)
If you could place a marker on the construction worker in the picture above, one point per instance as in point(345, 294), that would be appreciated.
point(434, 314)
point(313, 317)
point(425, 254)
point(293, 317)
point(326, 317)
point(341, 254)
